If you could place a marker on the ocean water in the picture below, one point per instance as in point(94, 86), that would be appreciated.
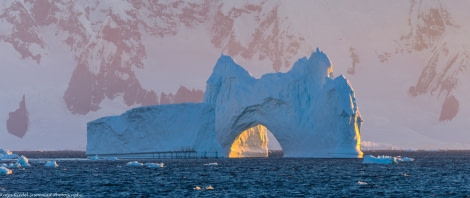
point(431, 174)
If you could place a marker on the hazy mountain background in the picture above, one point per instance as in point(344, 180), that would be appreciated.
point(64, 63)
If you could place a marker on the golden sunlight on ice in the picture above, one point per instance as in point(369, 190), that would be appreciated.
point(252, 142)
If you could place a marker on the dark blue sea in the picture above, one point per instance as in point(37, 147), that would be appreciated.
point(431, 174)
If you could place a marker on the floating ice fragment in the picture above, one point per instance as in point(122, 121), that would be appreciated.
point(15, 165)
point(111, 158)
point(211, 164)
point(94, 158)
point(197, 188)
point(154, 165)
point(404, 159)
point(210, 187)
point(362, 183)
point(23, 161)
point(134, 164)
point(5, 171)
point(52, 164)
point(6, 154)
point(369, 159)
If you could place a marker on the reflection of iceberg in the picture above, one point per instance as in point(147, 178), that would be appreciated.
point(369, 159)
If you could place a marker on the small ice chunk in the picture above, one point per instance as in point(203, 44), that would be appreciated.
point(210, 187)
point(154, 165)
point(15, 165)
point(23, 161)
point(6, 154)
point(94, 158)
point(5, 171)
point(134, 164)
point(52, 164)
point(362, 183)
point(111, 158)
point(369, 159)
point(212, 164)
point(404, 159)
point(197, 188)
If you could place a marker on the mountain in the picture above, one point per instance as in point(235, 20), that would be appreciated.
point(76, 61)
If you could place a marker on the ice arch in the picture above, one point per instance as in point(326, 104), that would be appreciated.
point(310, 113)
point(251, 142)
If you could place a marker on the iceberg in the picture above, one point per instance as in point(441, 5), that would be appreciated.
point(5, 154)
point(311, 114)
point(5, 171)
point(23, 161)
point(51, 164)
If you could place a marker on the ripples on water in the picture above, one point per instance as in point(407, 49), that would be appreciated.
point(438, 174)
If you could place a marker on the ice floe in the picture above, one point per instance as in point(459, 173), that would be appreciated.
point(52, 164)
point(6, 154)
point(154, 165)
point(23, 161)
point(383, 159)
point(134, 164)
point(211, 164)
point(361, 183)
point(5, 171)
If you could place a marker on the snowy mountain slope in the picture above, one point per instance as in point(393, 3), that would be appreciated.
point(75, 61)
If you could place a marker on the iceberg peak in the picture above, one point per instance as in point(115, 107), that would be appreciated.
point(226, 67)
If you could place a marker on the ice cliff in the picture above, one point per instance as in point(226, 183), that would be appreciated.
point(183, 128)
point(310, 113)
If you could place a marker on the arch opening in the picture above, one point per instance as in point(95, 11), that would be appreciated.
point(256, 141)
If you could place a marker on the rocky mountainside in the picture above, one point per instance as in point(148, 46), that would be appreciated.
point(75, 61)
